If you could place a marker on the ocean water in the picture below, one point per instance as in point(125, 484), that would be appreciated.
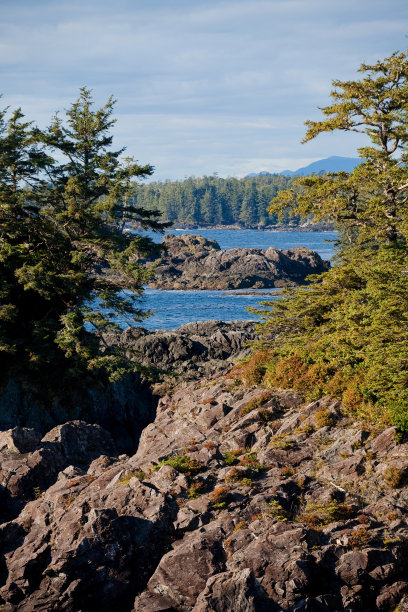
point(174, 308)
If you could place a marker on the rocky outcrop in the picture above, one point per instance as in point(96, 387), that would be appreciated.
point(193, 262)
point(192, 351)
point(237, 499)
point(124, 408)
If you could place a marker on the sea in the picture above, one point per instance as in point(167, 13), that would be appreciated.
point(170, 309)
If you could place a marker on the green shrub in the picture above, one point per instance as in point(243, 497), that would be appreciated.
point(182, 464)
point(126, 477)
point(255, 402)
point(318, 514)
point(231, 457)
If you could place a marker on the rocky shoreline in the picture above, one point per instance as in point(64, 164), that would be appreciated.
point(235, 498)
point(192, 262)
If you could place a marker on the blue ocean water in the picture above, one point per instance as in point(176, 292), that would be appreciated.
point(322, 242)
point(174, 308)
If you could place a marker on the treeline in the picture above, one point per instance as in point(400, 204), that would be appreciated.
point(211, 200)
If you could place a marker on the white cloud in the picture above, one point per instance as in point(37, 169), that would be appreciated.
point(202, 86)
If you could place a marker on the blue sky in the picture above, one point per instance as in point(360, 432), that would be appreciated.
point(202, 86)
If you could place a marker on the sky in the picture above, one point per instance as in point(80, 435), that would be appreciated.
point(202, 86)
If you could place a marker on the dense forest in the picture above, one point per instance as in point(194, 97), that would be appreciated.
point(211, 200)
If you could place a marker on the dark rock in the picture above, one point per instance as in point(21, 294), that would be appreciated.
point(238, 591)
point(80, 442)
point(192, 351)
point(197, 557)
point(192, 262)
point(122, 408)
point(19, 440)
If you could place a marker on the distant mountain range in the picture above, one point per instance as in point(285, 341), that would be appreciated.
point(330, 164)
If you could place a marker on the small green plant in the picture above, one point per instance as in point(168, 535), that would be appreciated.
point(182, 464)
point(281, 442)
point(250, 461)
point(394, 477)
point(318, 514)
point(389, 542)
point(219, 497)
point(276, 511)
point(255, 402)
point(196, 489)
point(127, 476)
point(230, 457)
point(306, 429)
point(246, 482)
point(324, 418)
point(37, 492)
point(219, 505)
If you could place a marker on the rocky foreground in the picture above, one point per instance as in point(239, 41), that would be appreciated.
point(237, 499)
point(193, 262)
point(126, 407)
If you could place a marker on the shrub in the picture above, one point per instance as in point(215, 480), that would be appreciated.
point(196, 489)
point(287, 471)
point(358, 538)
point(324, 418)
point(240, 525)
point(250, 461)
point(253, 371)
point(266, 415)
point(394, 477)
point(219, 496)
point(182, 464)
point(281, 442)
point(209, 401)
point(233, 475)
point(230, 457)
point(276, 511)
point(318, 514)
point(255, 402)
point(127, 476)
point(209, 445)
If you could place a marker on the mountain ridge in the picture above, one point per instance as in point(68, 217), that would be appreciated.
point(334, 163)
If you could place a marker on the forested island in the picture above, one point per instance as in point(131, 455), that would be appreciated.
point(211, 200)
point(190, 471)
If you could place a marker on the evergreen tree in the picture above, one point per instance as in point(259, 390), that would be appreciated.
point(213, 200)
point(64, 257)
point(249, 207)
point(347, 334)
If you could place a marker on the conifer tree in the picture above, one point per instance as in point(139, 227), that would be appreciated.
point(65, 259)
point(347, 334)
